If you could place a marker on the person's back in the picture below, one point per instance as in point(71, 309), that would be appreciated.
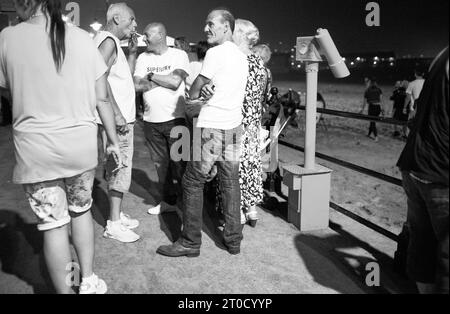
point(120, 79)
point(373, 94)
point(227, 68)
point(415, 89)
point(398, 98)
point(57, 80)
point(426, 152)
point(424, 163)
point(52, 110)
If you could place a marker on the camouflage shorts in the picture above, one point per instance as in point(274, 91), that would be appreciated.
point(51, 201)
point(120, 180)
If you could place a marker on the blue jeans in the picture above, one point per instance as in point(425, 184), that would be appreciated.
point(220, 147)
point(159, 143)
point(428, 224)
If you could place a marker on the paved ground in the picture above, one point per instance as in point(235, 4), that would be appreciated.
point(275, 258)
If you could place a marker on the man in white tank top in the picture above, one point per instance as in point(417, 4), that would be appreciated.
point(121, 25)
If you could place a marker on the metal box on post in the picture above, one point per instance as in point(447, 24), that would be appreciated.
point(309, 197)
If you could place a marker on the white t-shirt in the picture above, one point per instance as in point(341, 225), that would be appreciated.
point(194, 70)
point(120, 79)
point(163, 104)
point(227, 68)
point(54, 129)
point(414, 89)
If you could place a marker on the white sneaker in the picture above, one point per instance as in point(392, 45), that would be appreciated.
point(116, 230)
point(93, 285)
point(162, 207)
point(128, 222)
point(243, 218)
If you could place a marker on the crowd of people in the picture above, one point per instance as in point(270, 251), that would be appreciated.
point(404, 103)
point(86, 92)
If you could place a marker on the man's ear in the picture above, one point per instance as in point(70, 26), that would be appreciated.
point(116, 19)
point(227, 27)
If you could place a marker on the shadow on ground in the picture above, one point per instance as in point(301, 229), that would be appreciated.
point(336, 248)
point(21, 252)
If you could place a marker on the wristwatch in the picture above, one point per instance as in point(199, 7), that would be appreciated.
point(150, 75)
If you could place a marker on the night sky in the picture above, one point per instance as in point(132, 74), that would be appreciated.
point(412, 27)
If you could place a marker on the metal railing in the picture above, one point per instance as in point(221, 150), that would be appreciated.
point(357, 116)
point(348, 165)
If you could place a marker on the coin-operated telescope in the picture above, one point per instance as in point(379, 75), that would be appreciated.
point(309, 184)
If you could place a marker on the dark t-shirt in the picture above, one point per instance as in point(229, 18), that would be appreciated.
point(373, 95)
point(398, 97)
point(426, 151)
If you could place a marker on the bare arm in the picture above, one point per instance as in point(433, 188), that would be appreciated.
point(143, 85)
point(364, 105)
point(132, 52)
point(108, 51)
point(408, 101)
point(171, 81)
point(197, 86)
point(107, 116)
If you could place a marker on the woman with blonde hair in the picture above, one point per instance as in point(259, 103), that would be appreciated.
point(265, 53)
point(246, 36)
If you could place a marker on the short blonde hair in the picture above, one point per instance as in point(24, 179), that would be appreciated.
point(264, 52)
point(248, 31)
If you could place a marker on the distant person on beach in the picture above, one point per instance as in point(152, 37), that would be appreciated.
point(57, 80)
point(424, 163)
point(373, 97)
point(398, 97)
point(413, 93)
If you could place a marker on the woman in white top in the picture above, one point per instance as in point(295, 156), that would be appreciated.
point(57, 80)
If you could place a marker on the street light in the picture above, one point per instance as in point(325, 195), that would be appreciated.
point(96, 26)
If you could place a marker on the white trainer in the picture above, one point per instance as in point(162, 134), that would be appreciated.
point(243, 218)
point(128, 222)
point(116, 230)
point(93, 285)
point(162, 207)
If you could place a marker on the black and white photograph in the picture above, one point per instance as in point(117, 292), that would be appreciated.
point(225, 155)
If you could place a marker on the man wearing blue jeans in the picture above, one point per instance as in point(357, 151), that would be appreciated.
point(226, 68)
point(425, 166)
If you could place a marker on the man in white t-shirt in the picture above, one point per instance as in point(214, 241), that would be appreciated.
point(220, 119)
point(166, 69)
point(413, 93)
point(120, 25)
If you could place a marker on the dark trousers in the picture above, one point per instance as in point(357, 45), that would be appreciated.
point(375, 111)
point(159, 143)
point(222, 148)
point(428, 223)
